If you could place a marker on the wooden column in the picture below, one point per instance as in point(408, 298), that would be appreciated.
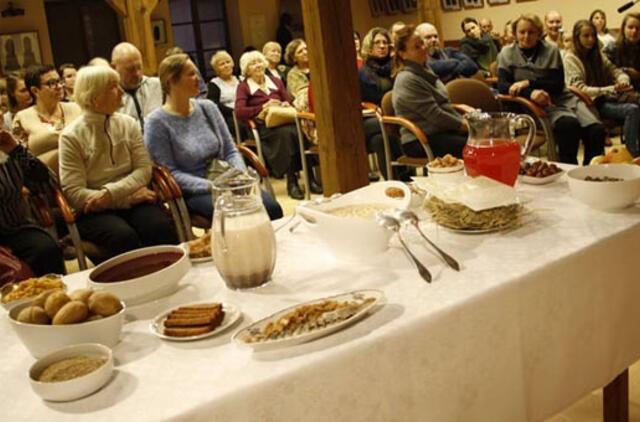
point(336, 94)
point(429, 11)
point(616, 399)
point(136, 19)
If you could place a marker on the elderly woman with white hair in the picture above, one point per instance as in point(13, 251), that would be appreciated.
point(105, 169)
point(273, 53)
point(222, 89)
point(255, 95)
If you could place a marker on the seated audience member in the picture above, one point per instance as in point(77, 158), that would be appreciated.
point(599, 19)
point(553, 28)
point(99, 61)
point(507, 34)
point(421, 97)
point(586, 68)
point(18, 98)
point(202, 86)
point(31, 244)
point(186, 134)
point(625, 52)
point(256, 93)
point(43, 122)
point(375, 73)
point(4, 103)
point(273, 53)
point(296, 56)
point(142, 95)
point(68, 74)
point(448, 63)
point(476, 45)
point(486, 25)
point(105, 169)
point(357, 41)
point(533, 69)
point(222, 88)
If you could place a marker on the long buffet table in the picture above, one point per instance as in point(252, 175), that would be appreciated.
point(538, 317)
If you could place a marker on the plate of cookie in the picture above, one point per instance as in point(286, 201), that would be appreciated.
point(199, 249)
point(195, 321)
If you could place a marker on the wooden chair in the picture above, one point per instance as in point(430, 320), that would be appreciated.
point(188, 220)
point(388, 120)
point(305, 152)
point(478, 95)
point(254, 143)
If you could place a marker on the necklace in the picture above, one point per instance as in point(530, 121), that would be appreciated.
point(57, 124)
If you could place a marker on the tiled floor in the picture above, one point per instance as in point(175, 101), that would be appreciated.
point(587, 409)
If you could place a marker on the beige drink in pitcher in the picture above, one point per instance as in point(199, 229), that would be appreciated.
point(245, 249)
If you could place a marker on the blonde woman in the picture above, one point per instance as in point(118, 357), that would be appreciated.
point(105, 170)
point(297, 56)
point(42, 123)
point(222, 88)
point(273, 53)
point(186, 134)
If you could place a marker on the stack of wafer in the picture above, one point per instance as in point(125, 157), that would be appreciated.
point(193, 320)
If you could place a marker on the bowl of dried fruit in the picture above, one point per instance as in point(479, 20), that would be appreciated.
point(607, 187)
point(72, 372)
point(13, 294)
point(55, 319)
point(446, 169)
point(539, 172)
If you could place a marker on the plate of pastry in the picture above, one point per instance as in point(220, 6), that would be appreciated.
point(199, 249)
point(308, 321)
point(195, 321)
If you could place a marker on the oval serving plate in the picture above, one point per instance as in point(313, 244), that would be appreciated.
point(541, 180)
point(231, 314)
point(185, 246)
point(242, 336)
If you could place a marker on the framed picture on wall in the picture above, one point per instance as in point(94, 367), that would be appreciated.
point(498, 2)
point(19, 51)
point(451, 5)
point(159, 31)
point(409, 6)
point(378, 7)
point(473, 4)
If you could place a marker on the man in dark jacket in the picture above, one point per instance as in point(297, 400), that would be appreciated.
point(478, 46)
point(448, 63)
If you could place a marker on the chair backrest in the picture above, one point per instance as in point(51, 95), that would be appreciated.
point(474, 93)
point(387, 104)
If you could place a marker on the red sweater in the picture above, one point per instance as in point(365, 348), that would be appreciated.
point(249, 106)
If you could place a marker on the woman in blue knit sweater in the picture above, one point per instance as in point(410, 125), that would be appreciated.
point(185, 134)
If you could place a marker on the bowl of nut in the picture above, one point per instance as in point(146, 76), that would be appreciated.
point(539, 172)
point(606, 187)
point(446, 169)
point(55, 319)
point(13, 294)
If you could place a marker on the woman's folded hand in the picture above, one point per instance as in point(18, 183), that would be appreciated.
point(143, 194)
point(99, 201)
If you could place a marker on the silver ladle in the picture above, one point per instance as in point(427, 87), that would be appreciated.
point(393, 223)
point(317, 201)
point(412, 218)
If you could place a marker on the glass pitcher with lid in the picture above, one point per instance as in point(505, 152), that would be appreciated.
point(492, 149)
point(243, 241)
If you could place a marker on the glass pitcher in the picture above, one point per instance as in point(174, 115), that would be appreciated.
point(492, 149)
point(244, 244)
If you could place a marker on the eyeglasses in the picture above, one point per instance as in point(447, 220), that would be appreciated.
point(53, 83)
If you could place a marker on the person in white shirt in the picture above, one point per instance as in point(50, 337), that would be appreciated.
point(222, 89)
point(599, 19)
point(142, 94)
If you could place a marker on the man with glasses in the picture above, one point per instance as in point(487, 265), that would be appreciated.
point(477, 45)
point(448, 63)
point(142, 94)
point(40, 125)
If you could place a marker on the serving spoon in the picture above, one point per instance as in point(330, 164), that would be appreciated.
point(392, 223)
point(317, 201)
point(412, 218)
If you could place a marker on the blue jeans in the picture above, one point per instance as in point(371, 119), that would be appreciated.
point(629, 114)
point(203, 205)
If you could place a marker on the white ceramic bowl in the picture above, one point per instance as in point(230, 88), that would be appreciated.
point(452, 174)
point(78, 387)
point(7, 288)
point(606, 196)
point(42, 339)
point(351, 236)
point(148, 287)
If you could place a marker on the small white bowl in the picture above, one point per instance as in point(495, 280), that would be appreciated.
point(42, 339)
point(350, 236)
point(606, 196)
point(154, 285)
point(78, 387)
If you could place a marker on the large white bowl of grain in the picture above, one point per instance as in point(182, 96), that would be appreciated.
point(142, 275)
point(72, 372)
point(606, 187)
point(348, 223)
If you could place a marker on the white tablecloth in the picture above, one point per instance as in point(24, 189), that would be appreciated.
point(537, 318)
